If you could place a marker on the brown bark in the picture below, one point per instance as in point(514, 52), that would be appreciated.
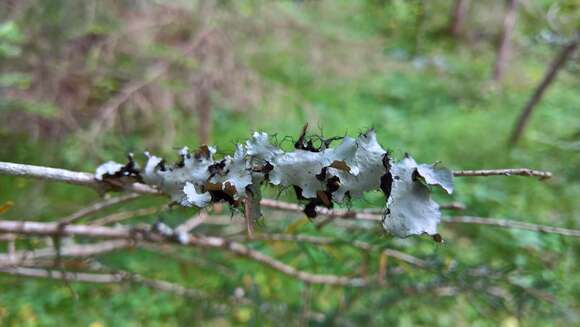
point(458, 17)
point(505, 43)
point(549, 77)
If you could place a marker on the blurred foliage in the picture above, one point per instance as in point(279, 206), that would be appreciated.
point(342, 66)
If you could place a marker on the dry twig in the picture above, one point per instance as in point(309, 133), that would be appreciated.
point(102, 278)
point(36, 228)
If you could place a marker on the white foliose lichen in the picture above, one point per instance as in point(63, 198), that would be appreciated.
point(355, 166)
point(108, 168)
point(236, 173)
point(365, 160)
point(192, 169)
point(193, 197)
point(410, 209)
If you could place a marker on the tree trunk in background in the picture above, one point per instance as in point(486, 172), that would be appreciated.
point(204, 105)
point(458, 17)
point(549, 76)
point(504, 48)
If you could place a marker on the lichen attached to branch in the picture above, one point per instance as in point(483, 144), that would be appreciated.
point(321, 175)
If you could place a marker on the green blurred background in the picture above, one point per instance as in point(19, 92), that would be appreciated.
point(82, 82)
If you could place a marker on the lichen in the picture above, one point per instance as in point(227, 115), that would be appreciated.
point(410, 209)
point(321, 175)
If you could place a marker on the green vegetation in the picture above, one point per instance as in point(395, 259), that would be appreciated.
point(341, 66)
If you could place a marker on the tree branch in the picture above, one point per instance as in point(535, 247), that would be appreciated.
point(367, 215)
point(503, 172)
point(35, 228)
point(57, 274)
point(512, 224)
point(329, 241)
point(88, 179)
point(54, 229)
point(192, 223)
point(67, 176)
point(47, 173)
point(101, 278)
point(547, 80)
point(76, 250)
point(124, 215)
point(98, 206)
point(244, 251)
point(334, 213)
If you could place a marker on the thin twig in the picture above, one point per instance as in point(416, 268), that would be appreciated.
point(338, 213)
point(47, 173)
point(7, 237)
point(67, 176)
point(451, 220)
point(453, 206)
point(549, 76)
point(96, 207)
point(244, 251)
point(76, 250)
point(57, 274)
point(445, 206)
point(36, 228)
point(167, 251)
point(329, 241)
point(54, 229)
point(248, 215)
point(503, 172)
point(102, 278)
point(512, 224)
point(192, 223)
point(124, 215)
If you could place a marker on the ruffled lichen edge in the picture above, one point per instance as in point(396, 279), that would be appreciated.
point(321, 175)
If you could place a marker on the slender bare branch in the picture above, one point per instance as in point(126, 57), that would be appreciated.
point(124, 215)
point(166, 286)
point(329, 241)
point(451, 220)
point(458, 206)
point(192, 223)
point(67, 176)
point(547, 80)
point(445, 206)
point(7, 237)
point(96, 207)
point(309, 239)
point(244, 251)
point(35, 228)
point(168, 252)
point(337, 213)
point(512, 224)
point(503, 172)
point(102, 278)
point(47, 173)
point(76, 250)
point(248, 215)
point(51, 229)
point(71, 276)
